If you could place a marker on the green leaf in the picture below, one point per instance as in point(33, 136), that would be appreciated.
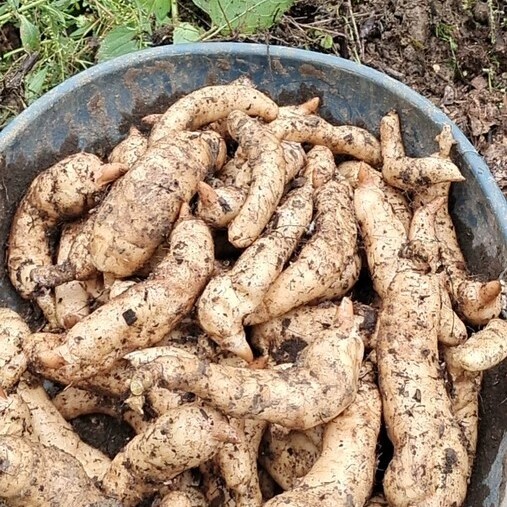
point(117, 42)
point(186, 32)
point(160, 8)
point(30, 36)
point(4, 9)
point(14, 4)
point(326, 41)
point(35, 82)
point(56, 15)
point(245, 16)
point(65, 4)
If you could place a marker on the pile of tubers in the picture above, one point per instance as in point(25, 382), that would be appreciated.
point(255, 291)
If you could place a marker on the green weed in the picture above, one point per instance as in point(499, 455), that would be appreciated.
point(62, 37)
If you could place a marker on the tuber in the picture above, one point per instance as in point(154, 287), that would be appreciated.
point(228, 298)
point(344, 140)
point(209, 104)
point(13, 361)
point(322, 259)
point(287, 458)
point(483, 350)
point(344, 473)
point(52, 430)
point(130, 150)
point(65, 191)
point(139, 317)
point(33, 475)
point(177, 441)
point(430, 462)
point(265, 155)
point(284, 337)
point(71, 298)
point(319, 386)
point(141, 208)
point(408, 173)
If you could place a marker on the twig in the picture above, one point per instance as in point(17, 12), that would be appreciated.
point(355, 33)
point(175, 12)
point(492, 25)
point(225, 16)
point(304, 27)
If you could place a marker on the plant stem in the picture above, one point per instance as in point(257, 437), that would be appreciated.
point(23, 8)
point(175, 12)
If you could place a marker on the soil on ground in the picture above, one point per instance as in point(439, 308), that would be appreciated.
point(453, 52)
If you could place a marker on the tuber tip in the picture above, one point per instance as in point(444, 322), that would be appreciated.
point(135, 403)
point(207, 194)
point(390, 120)
point(223, 432)
point(344, 317)
point(434, 205)
point(243, 80)
point(238, 345)
point(490, 291)
point(185, 212)
point(134, 131)
point(311, 106)
point(51, 359)
point(151, 119)
point(364, 178)
point(110, 172)
point(52, 276)
point(445, 142)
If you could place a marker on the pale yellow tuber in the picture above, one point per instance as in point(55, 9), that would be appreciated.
point(177, 441)
point(130, 150)
point(264, 153)
point(314, 390)
point(33, 475)
point(228, 298)
point(483, 350)
point(141, 208)
point(141, 316)
point(65, 191)
point(322, 259)
point(344, 473)
point(210, 104)
point(13, 361)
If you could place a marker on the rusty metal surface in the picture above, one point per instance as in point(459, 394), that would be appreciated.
point(93, 110)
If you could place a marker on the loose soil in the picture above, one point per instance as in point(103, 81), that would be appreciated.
point(451, 52)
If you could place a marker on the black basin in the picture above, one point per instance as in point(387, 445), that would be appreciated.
point(93, 110)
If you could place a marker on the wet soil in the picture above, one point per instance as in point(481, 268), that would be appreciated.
point(453, 52)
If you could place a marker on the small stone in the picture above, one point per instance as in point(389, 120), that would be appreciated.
point(481, 13)
point(479, 83)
